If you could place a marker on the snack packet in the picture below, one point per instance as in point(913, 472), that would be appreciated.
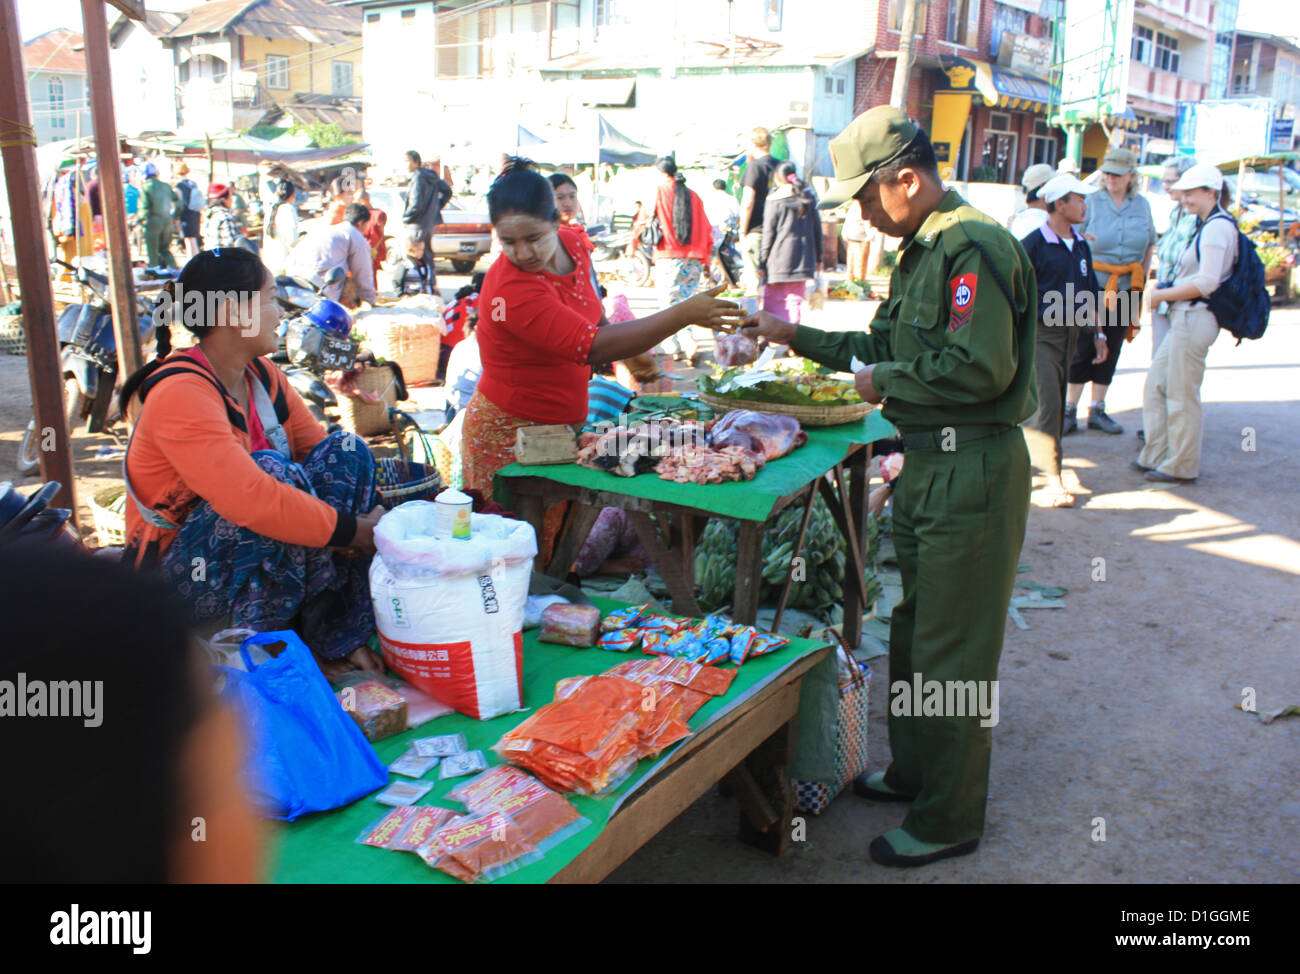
point(473, 793)
point(458, 765)
point(570, 625)
point(742, 644)
point(378, 711)
point(413, 765)
point(404, 792)
point(441, 746)
point(620, 640)
point(383, 830)
point(420, 826)
point(484, 847)
point(766, 642)
point(623, 618)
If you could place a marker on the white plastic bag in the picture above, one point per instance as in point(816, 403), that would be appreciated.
point(450, 612)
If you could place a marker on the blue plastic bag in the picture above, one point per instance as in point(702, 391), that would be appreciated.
point(305, 753)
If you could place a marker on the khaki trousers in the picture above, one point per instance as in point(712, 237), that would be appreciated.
point(1171, 406)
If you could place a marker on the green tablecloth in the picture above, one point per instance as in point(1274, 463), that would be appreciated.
point(321, 848)
point(751, 500)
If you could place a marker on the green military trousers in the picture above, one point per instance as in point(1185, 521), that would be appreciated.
point(959, 521)
point(158, 244)
point(1053, 353)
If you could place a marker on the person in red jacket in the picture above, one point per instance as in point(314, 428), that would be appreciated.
point(541, 328)
point(237, 496)
point(684, 247)
point(375, 231)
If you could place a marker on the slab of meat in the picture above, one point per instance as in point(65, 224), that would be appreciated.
point(628, 451)
point(770, 435)
point(704, 466)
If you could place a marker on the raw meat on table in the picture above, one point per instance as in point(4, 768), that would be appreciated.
point(770, 435)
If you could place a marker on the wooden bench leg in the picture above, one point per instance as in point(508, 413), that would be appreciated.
point(578, 524)
point(762, 785)
point(675, 564)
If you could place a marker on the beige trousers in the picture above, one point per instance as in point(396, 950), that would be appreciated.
point(1171, 406)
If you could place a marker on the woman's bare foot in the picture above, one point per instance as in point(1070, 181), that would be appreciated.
point(1053, 495)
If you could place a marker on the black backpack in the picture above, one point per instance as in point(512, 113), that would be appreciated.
point(1241, 303)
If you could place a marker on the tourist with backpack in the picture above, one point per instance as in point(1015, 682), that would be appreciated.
point(1171, 407)
point(189, 207)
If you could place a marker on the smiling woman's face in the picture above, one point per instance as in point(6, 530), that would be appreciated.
point(526, 241)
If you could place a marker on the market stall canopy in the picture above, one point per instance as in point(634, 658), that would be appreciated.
point(1266, 161)
point(576, 150)
point(242, 149)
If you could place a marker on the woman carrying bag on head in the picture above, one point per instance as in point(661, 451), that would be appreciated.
point(684, 247)
point(1171, 402)
point(237, 496)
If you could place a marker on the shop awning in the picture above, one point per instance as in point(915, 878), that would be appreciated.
point(1124, 120)
point(1021, 91)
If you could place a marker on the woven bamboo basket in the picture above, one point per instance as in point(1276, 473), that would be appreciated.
point(412, 344)
point(108, 512)
point(836, 415)
point(12, 338)
point(369, 418)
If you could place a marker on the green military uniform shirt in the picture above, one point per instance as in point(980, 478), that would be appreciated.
point(157, 202)
point(950, 349)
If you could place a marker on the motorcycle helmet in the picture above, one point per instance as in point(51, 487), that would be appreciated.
point(330, 316)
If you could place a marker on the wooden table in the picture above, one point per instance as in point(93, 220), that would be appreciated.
point(750, 750)
point(669, 532)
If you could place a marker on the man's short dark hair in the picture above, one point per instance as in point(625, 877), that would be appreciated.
point(919, 155)
point(356, 213)
point(1032, 194)
point(413, 156)
point(720, 184)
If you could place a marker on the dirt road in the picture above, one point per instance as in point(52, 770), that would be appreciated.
point(1118, 707)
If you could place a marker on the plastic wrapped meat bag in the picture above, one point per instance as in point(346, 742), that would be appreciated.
point(731, 350)
point(770, 435)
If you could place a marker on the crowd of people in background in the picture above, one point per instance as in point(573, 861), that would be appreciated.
point(1092, 249)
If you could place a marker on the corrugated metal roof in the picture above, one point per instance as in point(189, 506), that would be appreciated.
point(704, 54)
point(56, 52)
point(304, 20)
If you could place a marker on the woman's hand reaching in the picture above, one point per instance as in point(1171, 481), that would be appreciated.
point(706, 309)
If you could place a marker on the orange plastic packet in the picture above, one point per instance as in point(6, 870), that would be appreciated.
point(483, 847)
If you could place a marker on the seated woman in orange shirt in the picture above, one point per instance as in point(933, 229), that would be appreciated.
point(541, 328)
point(238, 497)
point(341, 194)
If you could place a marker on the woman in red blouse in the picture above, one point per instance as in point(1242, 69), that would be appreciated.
point(541, 327)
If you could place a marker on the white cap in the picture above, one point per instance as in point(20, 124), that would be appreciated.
point(1201, 176)
point(1036, 175)
point(1061, 185)
point(1067, 164)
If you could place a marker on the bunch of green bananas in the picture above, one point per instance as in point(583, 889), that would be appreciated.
point(818, 581)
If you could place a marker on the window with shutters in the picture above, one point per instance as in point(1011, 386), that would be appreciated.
point(54, 90)
point(341, 78)
point(896, 15)
point(1143, 42)
point(1167, 57)
point(277, 71)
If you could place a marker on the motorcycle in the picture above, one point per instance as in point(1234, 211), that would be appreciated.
point(308, 351)
point(31, 518)
point(610, 248)
point(88, 355)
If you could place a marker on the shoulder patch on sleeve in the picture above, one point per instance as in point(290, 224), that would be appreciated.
point(963, 300)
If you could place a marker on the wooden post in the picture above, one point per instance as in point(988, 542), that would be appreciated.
point(1281, 204)
point(906, 46)
point(121, 279)
point(22, 181)
point(1241, 181)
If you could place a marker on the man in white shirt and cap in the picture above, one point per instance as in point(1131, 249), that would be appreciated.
point(1034, 215)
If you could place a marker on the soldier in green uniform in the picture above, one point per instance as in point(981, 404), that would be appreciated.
point(951, 355)
point(157, 211)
